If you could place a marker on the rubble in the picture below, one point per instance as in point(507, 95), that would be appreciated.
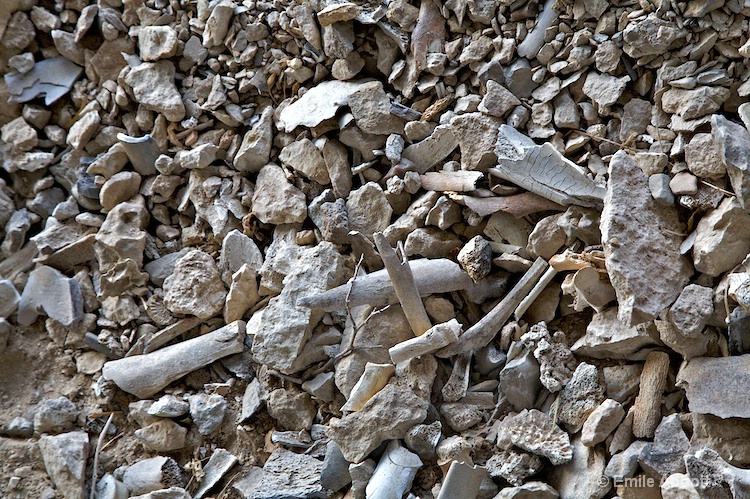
point(315, 249)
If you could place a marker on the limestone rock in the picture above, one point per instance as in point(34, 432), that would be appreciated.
point(703, 157)
point(602, 422)
point(513, 465)
point(218, 23)
point(51, 292)
point(371, 108)
point(293, 410)
point(19, 134)
point(276, 200)
point(195, 286)
point(118, 188)
point(519, 380)
point(476, 134)
point(162, 436)
point(604, 90)
point(65, 458)
point(389, 414)
point(255, 149)
point(607, 337)
point(732, 142)
point(648, 272)
point(530, 490)
point(369, 210)
point(207, 412)
point(55, 415)
point(695, 103)
point(535, 432)
point(583, 476)
point(664, 456)
point(318, 104)
point(157, 42)
point(678, 486)
point(498, 100)
point(583, 393)
point(692, 309)
point(476, 258)
point(285, 327)
point(198, 157)
point(153, 87)
point(730, 437)
point(305, 158)
point(713, 385)
point(285, 474)
point(722, 238)
point(650, 35)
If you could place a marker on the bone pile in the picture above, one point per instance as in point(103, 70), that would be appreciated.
point(446, 249)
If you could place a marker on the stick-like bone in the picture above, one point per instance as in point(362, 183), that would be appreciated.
point(647, 406)
point(481, 333)
point(432, 340)
point(431, 276)
point(145, 375)
point(534, 293)
point(373, 379)
point(403, 284)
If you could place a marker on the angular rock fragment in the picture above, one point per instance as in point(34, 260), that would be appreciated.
point(49, 291)
point(277, 201)
point(535, 432)
point(713, 385)
point(285, 326)
point(583, 393)
point(649, 272)
point(195, 286)
point(285, 474)
point(389, 414)
point(607, 337)
point(721, 240)
point(65, 458)
point(153, 87)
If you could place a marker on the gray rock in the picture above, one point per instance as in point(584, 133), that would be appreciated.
point(19, 427)
point(649, 272)
point(195, 286)
point(162, 436)
point(678, 486)
point(169, 406)
point(371, 108)
point(369, 210)
point(692, 309)
point(335, 473)
point(498, 100)
point(622, 381)
point(604, 90)
point(713, 477)
point(252, 400)
point(218, 465)
point(207, 412)
point(658, 184)
point(535, 432)
point(476, 134)
point(732, 142)
point(607, 337)
point(650, 35)
point(53, 293)
point(55, 415)
point(664, 456)
point(695, 103)
point(530, 490)
point(702, 153)
point(238, 249)
point(197, 158)
point(389, 414)
point(303, 157)
point(157, 42)
point(292, 409)
point(624, 464)
point(9, 298)
point(476, 258)
point(513, 465)
point(65, 461)
point(519, 380)
point(581, 478)
point(153, 87)
point(730, 437)
point(276, 200)
point(602, 422)
point(714, 385)
point(161, 268)
point(255, 150)
point(583, 393)
point(285, 327)
point(285, 475)
point(722, 238)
